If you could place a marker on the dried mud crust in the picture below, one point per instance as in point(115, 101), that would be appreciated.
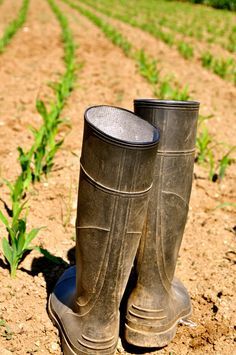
point(207, 260)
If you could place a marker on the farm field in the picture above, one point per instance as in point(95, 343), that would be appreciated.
point(66, 55)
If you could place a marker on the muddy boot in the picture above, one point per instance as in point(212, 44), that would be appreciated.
point(159, 301)
point(117, 166)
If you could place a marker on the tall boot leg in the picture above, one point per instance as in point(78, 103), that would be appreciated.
point(159, 301)
point(116, 175)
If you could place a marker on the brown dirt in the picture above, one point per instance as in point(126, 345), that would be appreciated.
point(203, 85)
point(8, 12)
point(207, 259)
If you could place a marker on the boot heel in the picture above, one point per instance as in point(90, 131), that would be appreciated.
point(150, 339)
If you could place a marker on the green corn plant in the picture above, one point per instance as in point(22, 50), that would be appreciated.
point(19, 240)
point(166, 91)
point(225, 162)
point(45, 145)
point(203, 145)
point(207, 59)
point(221, 67)
point(14, 26)
point(224, 68)
point(185, 49)
point(148, 67)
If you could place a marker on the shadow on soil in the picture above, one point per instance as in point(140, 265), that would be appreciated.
point(51, 271)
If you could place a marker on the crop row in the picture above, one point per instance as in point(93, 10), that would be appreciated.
point(14, 25)
point(38, 160)
point(148, 21)
point(202, 23)
point(164, 88)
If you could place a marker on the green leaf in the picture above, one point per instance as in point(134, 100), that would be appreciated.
point(9, 185)
point(41, 108)
point(17, 212)
point(30, 236)
point(7, 250)
point(226, 204)
point(4, 219)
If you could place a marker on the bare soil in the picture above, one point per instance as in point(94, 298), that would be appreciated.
point(208, 255)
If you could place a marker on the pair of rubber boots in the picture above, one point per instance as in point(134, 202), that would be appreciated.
point(134, 190)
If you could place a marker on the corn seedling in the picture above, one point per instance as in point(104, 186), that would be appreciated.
point(224, 163)
point(205, 155)
point(225, 68)
point(185, 49)
point(207, 59)
point(221, 67)
point(147, 67)
point(203, 145)
point(18, 241)
point(14, 26)
point(167, 92)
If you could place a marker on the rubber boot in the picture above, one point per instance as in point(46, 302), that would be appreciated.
point(159, 301)
point(117, 166)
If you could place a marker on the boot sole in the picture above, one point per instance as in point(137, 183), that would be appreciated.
point(67, 350)
point(150, 339)
point(65, 345)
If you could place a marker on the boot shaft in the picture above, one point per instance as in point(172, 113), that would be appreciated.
point(117, 167)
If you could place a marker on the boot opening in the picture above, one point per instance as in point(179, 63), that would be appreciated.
point(121, 125)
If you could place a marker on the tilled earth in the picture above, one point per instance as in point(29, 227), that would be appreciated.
point(208, 255)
